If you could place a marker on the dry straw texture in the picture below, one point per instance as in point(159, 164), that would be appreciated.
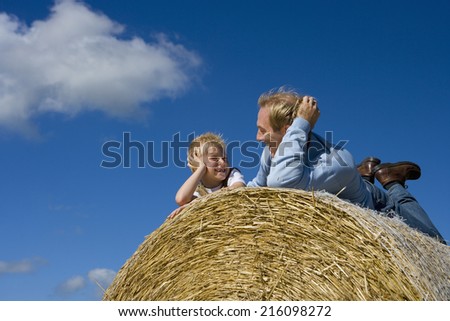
point(279, 244)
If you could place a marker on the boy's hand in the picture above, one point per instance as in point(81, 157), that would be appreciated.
point(176, 211)
point(197, 162)
point(308, 110)
point(200, 162)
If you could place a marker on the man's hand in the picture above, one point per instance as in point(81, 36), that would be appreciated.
point(308, 110)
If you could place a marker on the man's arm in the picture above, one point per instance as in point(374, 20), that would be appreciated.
point(289, 165)
point(264, 169)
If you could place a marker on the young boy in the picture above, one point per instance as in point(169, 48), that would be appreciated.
point(210, 170)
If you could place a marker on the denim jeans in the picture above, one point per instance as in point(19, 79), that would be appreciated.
point(399, 200)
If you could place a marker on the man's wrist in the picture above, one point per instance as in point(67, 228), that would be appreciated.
point(302, 124)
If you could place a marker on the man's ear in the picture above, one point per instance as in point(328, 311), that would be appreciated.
point(285, 128)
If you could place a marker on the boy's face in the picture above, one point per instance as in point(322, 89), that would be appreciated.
point(216, 163)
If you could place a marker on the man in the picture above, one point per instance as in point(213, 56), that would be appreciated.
point(296, 157)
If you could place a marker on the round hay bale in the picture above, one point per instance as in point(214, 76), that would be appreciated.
point(282, 244)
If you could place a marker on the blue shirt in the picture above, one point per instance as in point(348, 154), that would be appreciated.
point(308, 162)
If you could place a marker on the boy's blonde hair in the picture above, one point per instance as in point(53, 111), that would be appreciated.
point(283, 104)
point(202, 143)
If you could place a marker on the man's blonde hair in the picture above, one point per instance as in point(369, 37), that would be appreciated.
point(200, 144)
point(283, 104)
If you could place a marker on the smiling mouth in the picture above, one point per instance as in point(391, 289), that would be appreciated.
point(220, 170)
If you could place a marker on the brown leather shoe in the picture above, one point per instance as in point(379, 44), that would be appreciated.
point(396, 172)
point(365, 168)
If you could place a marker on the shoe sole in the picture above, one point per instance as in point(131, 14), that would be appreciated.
point(414, 174)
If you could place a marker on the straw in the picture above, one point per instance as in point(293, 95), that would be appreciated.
point(283, 245)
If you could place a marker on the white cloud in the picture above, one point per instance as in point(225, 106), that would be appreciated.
point(20, 267)
point(72, 285)
point(102, 277)
point(75, 61)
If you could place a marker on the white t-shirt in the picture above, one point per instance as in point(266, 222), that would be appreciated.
point(234, 177)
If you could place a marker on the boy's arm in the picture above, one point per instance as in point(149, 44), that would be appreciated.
point(236, 179)
point(186, 191)
point(236, 185)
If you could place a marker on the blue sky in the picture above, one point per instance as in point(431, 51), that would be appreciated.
point(77, 75)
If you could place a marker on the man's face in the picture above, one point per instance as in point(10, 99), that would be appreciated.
point(265, 133)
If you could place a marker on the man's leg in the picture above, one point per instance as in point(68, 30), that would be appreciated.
point(381, 201)
point(410, 210)
point(393, 178)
